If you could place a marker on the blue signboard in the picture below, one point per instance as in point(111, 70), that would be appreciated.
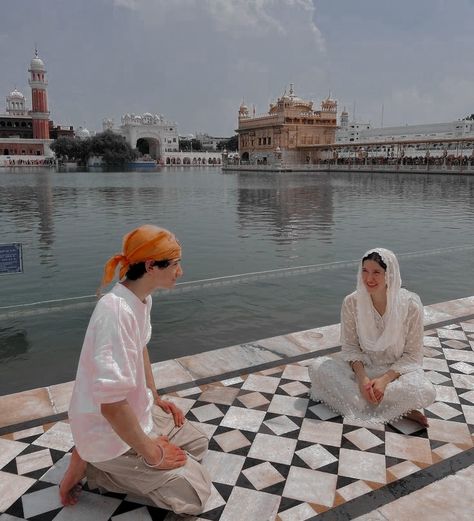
point(11, 258)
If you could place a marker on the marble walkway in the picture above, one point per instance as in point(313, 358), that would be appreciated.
point(274, 454)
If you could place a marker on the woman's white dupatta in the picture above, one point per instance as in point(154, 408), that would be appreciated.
point(392, 336)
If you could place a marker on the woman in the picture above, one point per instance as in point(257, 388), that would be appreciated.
point(378, 375)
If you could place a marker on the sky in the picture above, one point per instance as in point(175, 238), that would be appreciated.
point(194, 61)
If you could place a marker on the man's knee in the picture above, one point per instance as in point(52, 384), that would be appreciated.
point(197, 442)
point(199, 447)
point(188, 492)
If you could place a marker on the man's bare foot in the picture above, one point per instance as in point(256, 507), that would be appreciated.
point(418, 417)
point(70, 486)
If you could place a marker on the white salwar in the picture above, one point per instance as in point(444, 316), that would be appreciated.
point(364, 338)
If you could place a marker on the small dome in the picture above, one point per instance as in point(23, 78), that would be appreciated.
point(16, 94)
point(82, 133)
point(37, 64)
point(297, 99)
point(147, 115)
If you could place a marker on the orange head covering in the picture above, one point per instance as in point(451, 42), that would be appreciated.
point(148, 242)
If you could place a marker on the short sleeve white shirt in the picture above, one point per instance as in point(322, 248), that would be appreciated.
point(111, 369)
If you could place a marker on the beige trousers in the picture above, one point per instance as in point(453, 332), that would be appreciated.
point(184, 490)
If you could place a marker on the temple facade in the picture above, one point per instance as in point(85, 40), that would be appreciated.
point(287, 133)
point(152, 134)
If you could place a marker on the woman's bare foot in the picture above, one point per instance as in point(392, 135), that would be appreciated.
point(70, 486)
point(418, 417)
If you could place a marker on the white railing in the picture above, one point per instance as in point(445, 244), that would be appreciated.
point(458, 169)
point(421, 169)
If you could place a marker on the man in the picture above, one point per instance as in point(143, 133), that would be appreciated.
point(127, 438)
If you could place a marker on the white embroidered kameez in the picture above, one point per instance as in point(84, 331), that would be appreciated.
point(335, 384)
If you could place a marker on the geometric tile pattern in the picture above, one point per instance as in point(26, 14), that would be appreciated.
point(273, 451)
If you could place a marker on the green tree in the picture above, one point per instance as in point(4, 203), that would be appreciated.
point(71, 149)
point(231, 144)
point(114, 149)
point(185, 145)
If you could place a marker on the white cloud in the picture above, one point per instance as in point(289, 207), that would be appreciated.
point(235, 18)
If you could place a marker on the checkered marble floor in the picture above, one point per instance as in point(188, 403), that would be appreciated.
point(273, 453)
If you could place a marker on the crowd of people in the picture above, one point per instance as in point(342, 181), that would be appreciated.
point(41, 161)
point(427, 160)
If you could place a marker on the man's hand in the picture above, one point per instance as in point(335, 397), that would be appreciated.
point(173, 409)
point(165, 455)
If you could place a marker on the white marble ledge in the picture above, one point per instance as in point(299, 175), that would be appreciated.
point(228, 359)
point(449, 309)
point(319, 338)
point(170, 372)
point(432, 316)
point(302, 342)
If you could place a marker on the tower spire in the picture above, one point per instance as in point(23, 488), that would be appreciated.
point(39, 106)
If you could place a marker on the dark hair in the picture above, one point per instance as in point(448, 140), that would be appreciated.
point(376, 257)
point(136, 271)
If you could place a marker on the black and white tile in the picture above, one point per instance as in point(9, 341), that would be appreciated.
point(273, 451)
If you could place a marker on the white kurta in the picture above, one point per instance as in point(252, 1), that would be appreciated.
point(111, 369)
point(335, 384)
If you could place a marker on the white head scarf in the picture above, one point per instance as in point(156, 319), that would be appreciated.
point(392, 336)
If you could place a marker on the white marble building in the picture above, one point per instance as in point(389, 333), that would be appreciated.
point(152, 134)
point(354, 132)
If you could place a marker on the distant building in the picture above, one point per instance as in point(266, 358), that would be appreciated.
point(83, 133)
point(210, 142)
point(151, 134)
point(356, 132)
point(26, 132)
point(287, 132)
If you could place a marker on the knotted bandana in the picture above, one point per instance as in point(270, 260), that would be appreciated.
point(148, 242)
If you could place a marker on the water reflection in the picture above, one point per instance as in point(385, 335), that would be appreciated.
point(32, 208)
point(112, 196)
point(13, 343)
point(418, 187)
point(288, 209)
point(45, 218)
point(228, 224)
